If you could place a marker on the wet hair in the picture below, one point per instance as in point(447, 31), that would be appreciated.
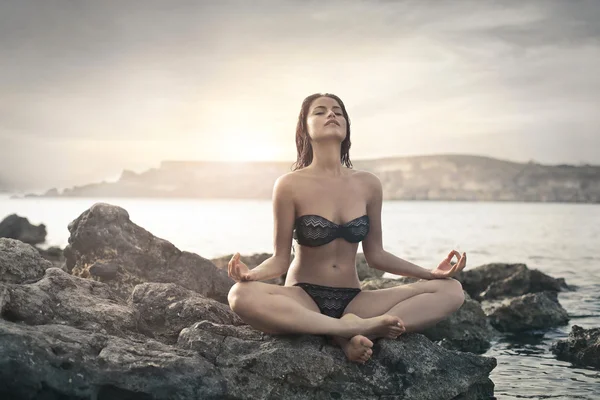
point(303, 143)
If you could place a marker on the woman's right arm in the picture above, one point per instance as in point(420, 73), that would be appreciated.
point(283, 217)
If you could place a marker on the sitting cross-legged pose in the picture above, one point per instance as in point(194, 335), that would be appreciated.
point(328, 208)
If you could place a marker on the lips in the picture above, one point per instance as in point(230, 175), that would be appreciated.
point(332, 122)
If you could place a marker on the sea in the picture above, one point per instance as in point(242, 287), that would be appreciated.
point(561, 240)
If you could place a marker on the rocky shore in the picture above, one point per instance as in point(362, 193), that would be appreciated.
point(122, 314)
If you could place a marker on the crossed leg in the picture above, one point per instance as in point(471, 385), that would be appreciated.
point(418, 305)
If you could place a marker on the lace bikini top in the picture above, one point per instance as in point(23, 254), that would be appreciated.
point(314, 230)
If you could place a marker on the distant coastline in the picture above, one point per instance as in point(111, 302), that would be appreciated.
point(436, 177)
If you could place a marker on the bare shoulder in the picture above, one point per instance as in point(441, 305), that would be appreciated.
point(368, 179)
point(284, 182)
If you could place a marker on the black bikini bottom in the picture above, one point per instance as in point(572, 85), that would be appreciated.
point(332, 301)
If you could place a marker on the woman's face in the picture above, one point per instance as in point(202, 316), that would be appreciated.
point(325, 119)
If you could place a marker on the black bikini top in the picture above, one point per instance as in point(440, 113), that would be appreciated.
point(314, 230)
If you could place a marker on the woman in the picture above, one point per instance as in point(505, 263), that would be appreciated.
point(328, 207)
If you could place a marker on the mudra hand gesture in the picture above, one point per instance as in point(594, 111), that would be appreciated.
point(446, 269)
point(239, 271)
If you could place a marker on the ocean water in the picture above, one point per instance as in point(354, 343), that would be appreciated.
point(561, 240)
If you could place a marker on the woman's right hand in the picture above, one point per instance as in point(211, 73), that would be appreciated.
point(239, 271)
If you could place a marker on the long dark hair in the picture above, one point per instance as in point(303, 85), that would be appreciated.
point(303, 144)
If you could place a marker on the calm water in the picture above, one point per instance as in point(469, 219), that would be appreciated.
point(558, 239)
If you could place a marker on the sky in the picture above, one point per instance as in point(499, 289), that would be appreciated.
point(89, 88)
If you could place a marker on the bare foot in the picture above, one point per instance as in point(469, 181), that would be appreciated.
point(358, 349)
point(386, 326)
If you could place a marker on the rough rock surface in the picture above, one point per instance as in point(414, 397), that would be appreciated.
point(54, 255)
point(104, 235)
point(528, 312)
point(20, 262)
point(167, 308)
point(582, 347)
point(496, 281)
point(466, 330)
point(68, 337)
point(60, 298)
point(15, 227)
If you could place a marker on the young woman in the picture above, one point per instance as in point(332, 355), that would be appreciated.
point(328, 208)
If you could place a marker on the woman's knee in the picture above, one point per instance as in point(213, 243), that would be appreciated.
point(240, 294)
point(454, 290)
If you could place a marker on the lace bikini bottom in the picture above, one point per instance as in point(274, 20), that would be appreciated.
point(332, 301)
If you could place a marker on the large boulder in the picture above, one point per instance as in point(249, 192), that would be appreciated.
point(466, 330)
point(582, 347)
point(63, 362)
point(528, 312)
point(305, 367)
point(60, 298)
point(105, 245)
point(68, 337)
point(15, 227)
point(20, 262)
point(168, 308)
point(498, 280)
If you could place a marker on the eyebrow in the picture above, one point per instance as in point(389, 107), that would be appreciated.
point(324, 107)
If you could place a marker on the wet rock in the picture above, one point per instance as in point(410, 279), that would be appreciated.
point(498, 280)
point(167, 308)
point(20, 262)
point(19, 228)
point(466, 330)
point(105, 234)
point(528, 312)
point(581, 348)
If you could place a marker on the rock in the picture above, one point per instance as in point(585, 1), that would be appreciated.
point(468, 329)
point(104, 270)
point(304, 367)
point(15, 227)
point(20, 262)
point(66, 337)
point(496, 281)
point(104, 234)
point(62, 362)
point(384, 283)
point(167, 308)
point(528, 312)
point(60, 298)
point(54, 255)
point(582, 347)
point(363, 269)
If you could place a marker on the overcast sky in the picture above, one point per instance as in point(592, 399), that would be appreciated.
point(89, 88)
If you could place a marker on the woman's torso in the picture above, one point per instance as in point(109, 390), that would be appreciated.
point(338, 200)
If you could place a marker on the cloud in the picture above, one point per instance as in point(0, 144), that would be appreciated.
point(173, 76)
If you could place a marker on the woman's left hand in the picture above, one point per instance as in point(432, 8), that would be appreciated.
point(446, 269)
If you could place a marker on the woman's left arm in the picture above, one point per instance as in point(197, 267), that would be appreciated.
point(380, 259)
